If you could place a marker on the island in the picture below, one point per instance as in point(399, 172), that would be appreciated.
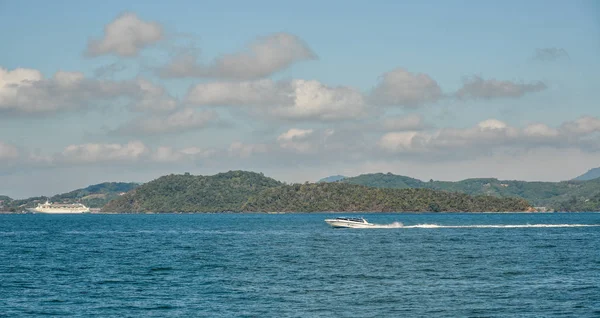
point(243, 191)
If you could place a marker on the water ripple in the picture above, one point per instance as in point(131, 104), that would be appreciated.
point(295, 265)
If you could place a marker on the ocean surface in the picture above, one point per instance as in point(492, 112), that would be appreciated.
point(295, 265)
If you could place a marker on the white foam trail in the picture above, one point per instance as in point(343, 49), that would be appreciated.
point(495, 226)
point(398, 225)
point(395, 225)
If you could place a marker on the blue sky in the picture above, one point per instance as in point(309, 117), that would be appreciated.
point(297, 90)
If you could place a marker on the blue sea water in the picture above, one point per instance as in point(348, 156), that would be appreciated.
point(295, 265)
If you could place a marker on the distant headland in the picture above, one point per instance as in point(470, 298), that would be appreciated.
point(245, 191)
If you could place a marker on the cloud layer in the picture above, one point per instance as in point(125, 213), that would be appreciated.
point(26, 91)
point(291, 100)
point(182, 120)
point(478, 88)
point(125, 36)
point(493, 134)
point(402, 88)
point(263, 57)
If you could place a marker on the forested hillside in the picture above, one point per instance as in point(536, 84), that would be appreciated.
point(554, 195)
point(241, 191)
point(342, 197)
point(188, 193)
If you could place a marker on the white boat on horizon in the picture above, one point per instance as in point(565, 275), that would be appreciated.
point(60, 208)
point(349, 222)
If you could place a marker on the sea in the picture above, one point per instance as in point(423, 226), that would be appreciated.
point(296, 265)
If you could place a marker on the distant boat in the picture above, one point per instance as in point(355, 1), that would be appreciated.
point(60, 208)
point(349, 222)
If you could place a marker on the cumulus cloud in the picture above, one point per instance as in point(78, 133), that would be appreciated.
point(263, 57)
point(540, 130)
point(293, 100)
point(399, 87)
point(582, 126)
point(491, 134)
point(125, 36)
point(550, 54)
point(296, 140)
point(8, 151)
point(186, 119)
point(327, 144)
point(478, 88)
point(26, 91)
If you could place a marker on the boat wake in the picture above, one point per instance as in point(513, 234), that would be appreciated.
point(395, 225)
point(398, 225)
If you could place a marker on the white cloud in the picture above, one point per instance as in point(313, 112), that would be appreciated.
point(313, 100)
point(293, 100)
point(294, 133)
point(125, 36)
point(489, 133)
point(398, 141)
point(494, 134)
point(254, 93)
point(296, 140)
point(540, 130)
point(179, 121)
point(476, 87)
point(8, 151)
point(101, 153)
point(402, 88)
point(263, 57)
point(582, 126)
point(26, 91)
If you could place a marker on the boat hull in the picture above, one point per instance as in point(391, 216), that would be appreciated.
point(59, 211)
point(347, 224)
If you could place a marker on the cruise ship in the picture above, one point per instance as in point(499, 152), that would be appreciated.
point(62, 208)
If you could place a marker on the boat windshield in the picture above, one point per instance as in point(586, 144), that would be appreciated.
point(361, 220)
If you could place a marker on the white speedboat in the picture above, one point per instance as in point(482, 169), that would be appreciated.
point(357, 223)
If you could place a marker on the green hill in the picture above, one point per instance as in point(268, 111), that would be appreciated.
point(340, 197)
point(241, 191)
point(187, 193)
point(550, 194)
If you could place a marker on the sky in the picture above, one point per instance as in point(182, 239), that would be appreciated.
point(129, 91)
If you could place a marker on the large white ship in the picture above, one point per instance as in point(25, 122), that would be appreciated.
point(57, 208)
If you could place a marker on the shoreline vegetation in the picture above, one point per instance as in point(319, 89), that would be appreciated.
point(251, 192)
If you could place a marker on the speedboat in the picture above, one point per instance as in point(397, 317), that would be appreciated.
point(347, 222)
